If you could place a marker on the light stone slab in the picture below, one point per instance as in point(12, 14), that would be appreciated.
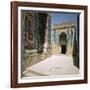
point(55, 65)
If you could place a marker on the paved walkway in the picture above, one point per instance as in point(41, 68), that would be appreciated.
point(55, 65)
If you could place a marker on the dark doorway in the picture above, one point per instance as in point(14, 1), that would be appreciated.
point(63, 49)
point(63, 42)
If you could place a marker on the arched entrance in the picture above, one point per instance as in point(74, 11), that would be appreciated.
point(63, 42)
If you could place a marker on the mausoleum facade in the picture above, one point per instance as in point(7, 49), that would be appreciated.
point(63, 38)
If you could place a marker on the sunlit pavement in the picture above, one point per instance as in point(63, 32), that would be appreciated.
point(60, 64)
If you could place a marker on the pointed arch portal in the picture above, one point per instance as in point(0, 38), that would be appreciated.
point(63, 42)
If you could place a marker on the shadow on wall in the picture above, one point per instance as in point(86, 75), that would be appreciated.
point(42, 17)
point(75, 53)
